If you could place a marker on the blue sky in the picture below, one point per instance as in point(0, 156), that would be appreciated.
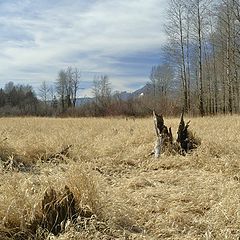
point(120, 38)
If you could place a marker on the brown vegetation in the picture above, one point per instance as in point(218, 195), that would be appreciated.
point(108, 187)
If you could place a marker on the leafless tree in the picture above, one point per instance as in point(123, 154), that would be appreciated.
point(61, 87)
point(161, 77)
point(177, 37)
point(76, 76)
point(67, 86)
point(102, 93)
point(44, 91)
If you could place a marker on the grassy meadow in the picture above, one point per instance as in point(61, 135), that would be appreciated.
point(130, 194)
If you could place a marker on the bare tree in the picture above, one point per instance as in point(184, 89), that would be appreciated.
point(75, 85)
point(61, 87)
point(102, 94)
point(161, 77)
point(67, 86)
point(44, 91)
point(176, 31)
point(8, 87)
point(153, 79)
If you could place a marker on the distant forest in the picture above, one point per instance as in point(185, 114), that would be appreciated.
point(199, 73)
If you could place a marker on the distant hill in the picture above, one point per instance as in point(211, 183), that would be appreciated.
point(146, 89)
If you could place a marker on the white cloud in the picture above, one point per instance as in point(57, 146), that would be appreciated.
point(42, 37)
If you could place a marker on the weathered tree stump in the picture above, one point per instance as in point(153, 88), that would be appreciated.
point(184, 143)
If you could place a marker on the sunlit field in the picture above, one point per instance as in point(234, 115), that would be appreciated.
point(128, 193)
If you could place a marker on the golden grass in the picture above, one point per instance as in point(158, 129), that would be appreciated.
point(133, 195)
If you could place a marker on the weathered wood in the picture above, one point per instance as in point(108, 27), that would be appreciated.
point(164, 135)
point(186, 138)
point(183, 133)
point(157, 147)
point(185, 142)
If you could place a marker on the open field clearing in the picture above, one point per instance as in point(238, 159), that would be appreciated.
point(119, 191)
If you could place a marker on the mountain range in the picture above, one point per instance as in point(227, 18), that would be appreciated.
point(124, 95)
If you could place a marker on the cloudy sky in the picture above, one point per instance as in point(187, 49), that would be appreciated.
point(120, 38)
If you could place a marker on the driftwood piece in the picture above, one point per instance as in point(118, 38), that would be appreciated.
point(185, 142)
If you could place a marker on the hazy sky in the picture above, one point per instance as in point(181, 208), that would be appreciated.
point(120, 38)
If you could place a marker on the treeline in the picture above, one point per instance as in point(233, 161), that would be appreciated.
point(60, 98)
point(203, 51)
point(106, 102)
point(18, 100)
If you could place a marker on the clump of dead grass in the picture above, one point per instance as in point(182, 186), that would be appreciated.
point(29, 204)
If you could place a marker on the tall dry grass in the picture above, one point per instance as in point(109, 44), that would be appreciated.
point(108, 169)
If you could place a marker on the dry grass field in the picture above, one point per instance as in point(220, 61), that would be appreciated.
point(129, 194)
